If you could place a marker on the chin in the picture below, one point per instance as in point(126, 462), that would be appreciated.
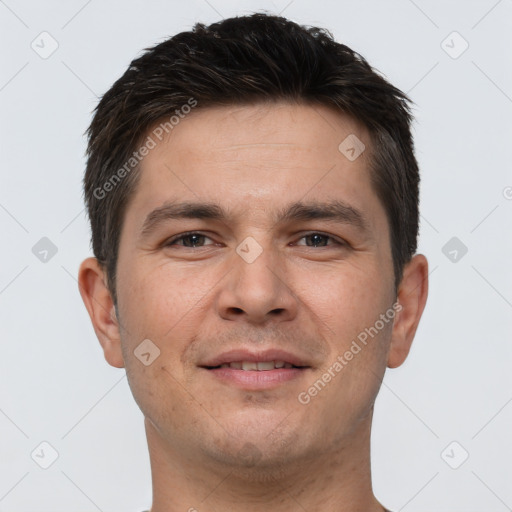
point(259, 451)
point(256, 463)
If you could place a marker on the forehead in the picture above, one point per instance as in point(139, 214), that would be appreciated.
point(257, 148)
point(277, 125)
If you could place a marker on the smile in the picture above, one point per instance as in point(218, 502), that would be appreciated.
point(256, 365)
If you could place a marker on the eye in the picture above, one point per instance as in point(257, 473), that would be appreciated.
point(191, 239)
point(319, 240)
point(194, 239)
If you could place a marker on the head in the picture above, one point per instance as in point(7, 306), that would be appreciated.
point(278, 135)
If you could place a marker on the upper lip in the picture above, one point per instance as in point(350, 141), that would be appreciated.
point(255, 356)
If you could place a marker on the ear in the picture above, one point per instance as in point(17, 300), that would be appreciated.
point(412, 296)
point(98, 301)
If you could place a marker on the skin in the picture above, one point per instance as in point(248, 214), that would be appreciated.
point(217, 447)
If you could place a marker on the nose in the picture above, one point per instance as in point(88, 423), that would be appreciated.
point(257, 292)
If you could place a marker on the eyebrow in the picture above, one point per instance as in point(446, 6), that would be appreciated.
point(337, 211)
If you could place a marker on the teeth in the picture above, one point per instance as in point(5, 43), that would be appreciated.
point(269, 365)
point(256, 366)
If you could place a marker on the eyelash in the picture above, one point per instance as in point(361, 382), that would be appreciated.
point(183, 236)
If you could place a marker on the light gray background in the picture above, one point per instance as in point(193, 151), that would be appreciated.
point(456, 384)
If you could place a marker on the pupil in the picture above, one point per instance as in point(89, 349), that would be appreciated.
point(317, 239)
point(193, 239)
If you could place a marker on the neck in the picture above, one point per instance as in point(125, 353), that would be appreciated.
point(337, 481)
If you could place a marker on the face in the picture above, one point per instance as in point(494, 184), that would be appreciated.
point(252, 297)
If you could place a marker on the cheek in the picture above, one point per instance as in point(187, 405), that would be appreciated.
point(165, 304)
point(346, 299)
point(348, 305)
point(155, 304)
point(157, 299)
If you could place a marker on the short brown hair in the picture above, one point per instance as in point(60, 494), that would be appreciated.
point(246, 60)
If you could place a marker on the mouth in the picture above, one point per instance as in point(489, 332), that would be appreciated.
point(258, 366)
point(254, 371)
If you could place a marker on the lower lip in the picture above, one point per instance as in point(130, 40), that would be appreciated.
point(252, 379)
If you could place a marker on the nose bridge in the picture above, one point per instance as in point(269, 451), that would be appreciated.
point(256, 287)
point(257, 267)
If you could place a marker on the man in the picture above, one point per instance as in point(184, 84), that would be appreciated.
point(253, 197)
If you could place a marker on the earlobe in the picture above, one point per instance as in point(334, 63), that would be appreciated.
point(412, 297)
point(100, 306)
